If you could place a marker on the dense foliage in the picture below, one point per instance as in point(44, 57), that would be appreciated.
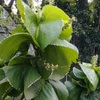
point(37, 55)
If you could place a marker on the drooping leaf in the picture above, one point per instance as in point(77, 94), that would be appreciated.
point(47, 93)
point(34, 89)
point(91, 76)
point(9, 46)
point(60, 89)
point(74, 90)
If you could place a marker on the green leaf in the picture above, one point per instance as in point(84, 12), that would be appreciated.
point(60, 89)
point(34, 89)
point(21, 76)
point(60, 55)
point(47, 93)
point(9, 46)
point(3, 89)
point(19, 29)
point(2, 74)
point(78, 73)
point(91, 76)
point(51, 13)
point(28, 16)
point(20, 8)
point(45, 72)
point(91, 96)
point(48, 32)
point(31, 77)
point(15, 75)
point(66, 33)
point(59, 73)
point(74, 91)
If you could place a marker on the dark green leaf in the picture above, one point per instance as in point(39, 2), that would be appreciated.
point(3, 89)
point(21, 76)
point(31, 77)
point(74, 91)
point(2, 74)
point(34, 89)
point(45, 73)
point(91, 96)
point(60, 89)
point(47, 93)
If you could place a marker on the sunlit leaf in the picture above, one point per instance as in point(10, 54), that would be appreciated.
point(9, 46)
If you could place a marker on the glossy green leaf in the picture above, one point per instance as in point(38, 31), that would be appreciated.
point(48, 32)
point(9, 46)
point(34, 89)
point(60, 89)
point(51, 13)
point(74, 91)
point(47, 93)
point(78, 73)
point(91, 76)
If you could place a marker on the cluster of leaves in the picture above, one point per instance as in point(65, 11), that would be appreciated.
point(85, 83)
point(37, 55)
point(86, 29)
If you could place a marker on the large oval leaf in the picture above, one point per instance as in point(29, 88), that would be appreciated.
point(10, 45)
point(48, 32)
point(60, 54)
